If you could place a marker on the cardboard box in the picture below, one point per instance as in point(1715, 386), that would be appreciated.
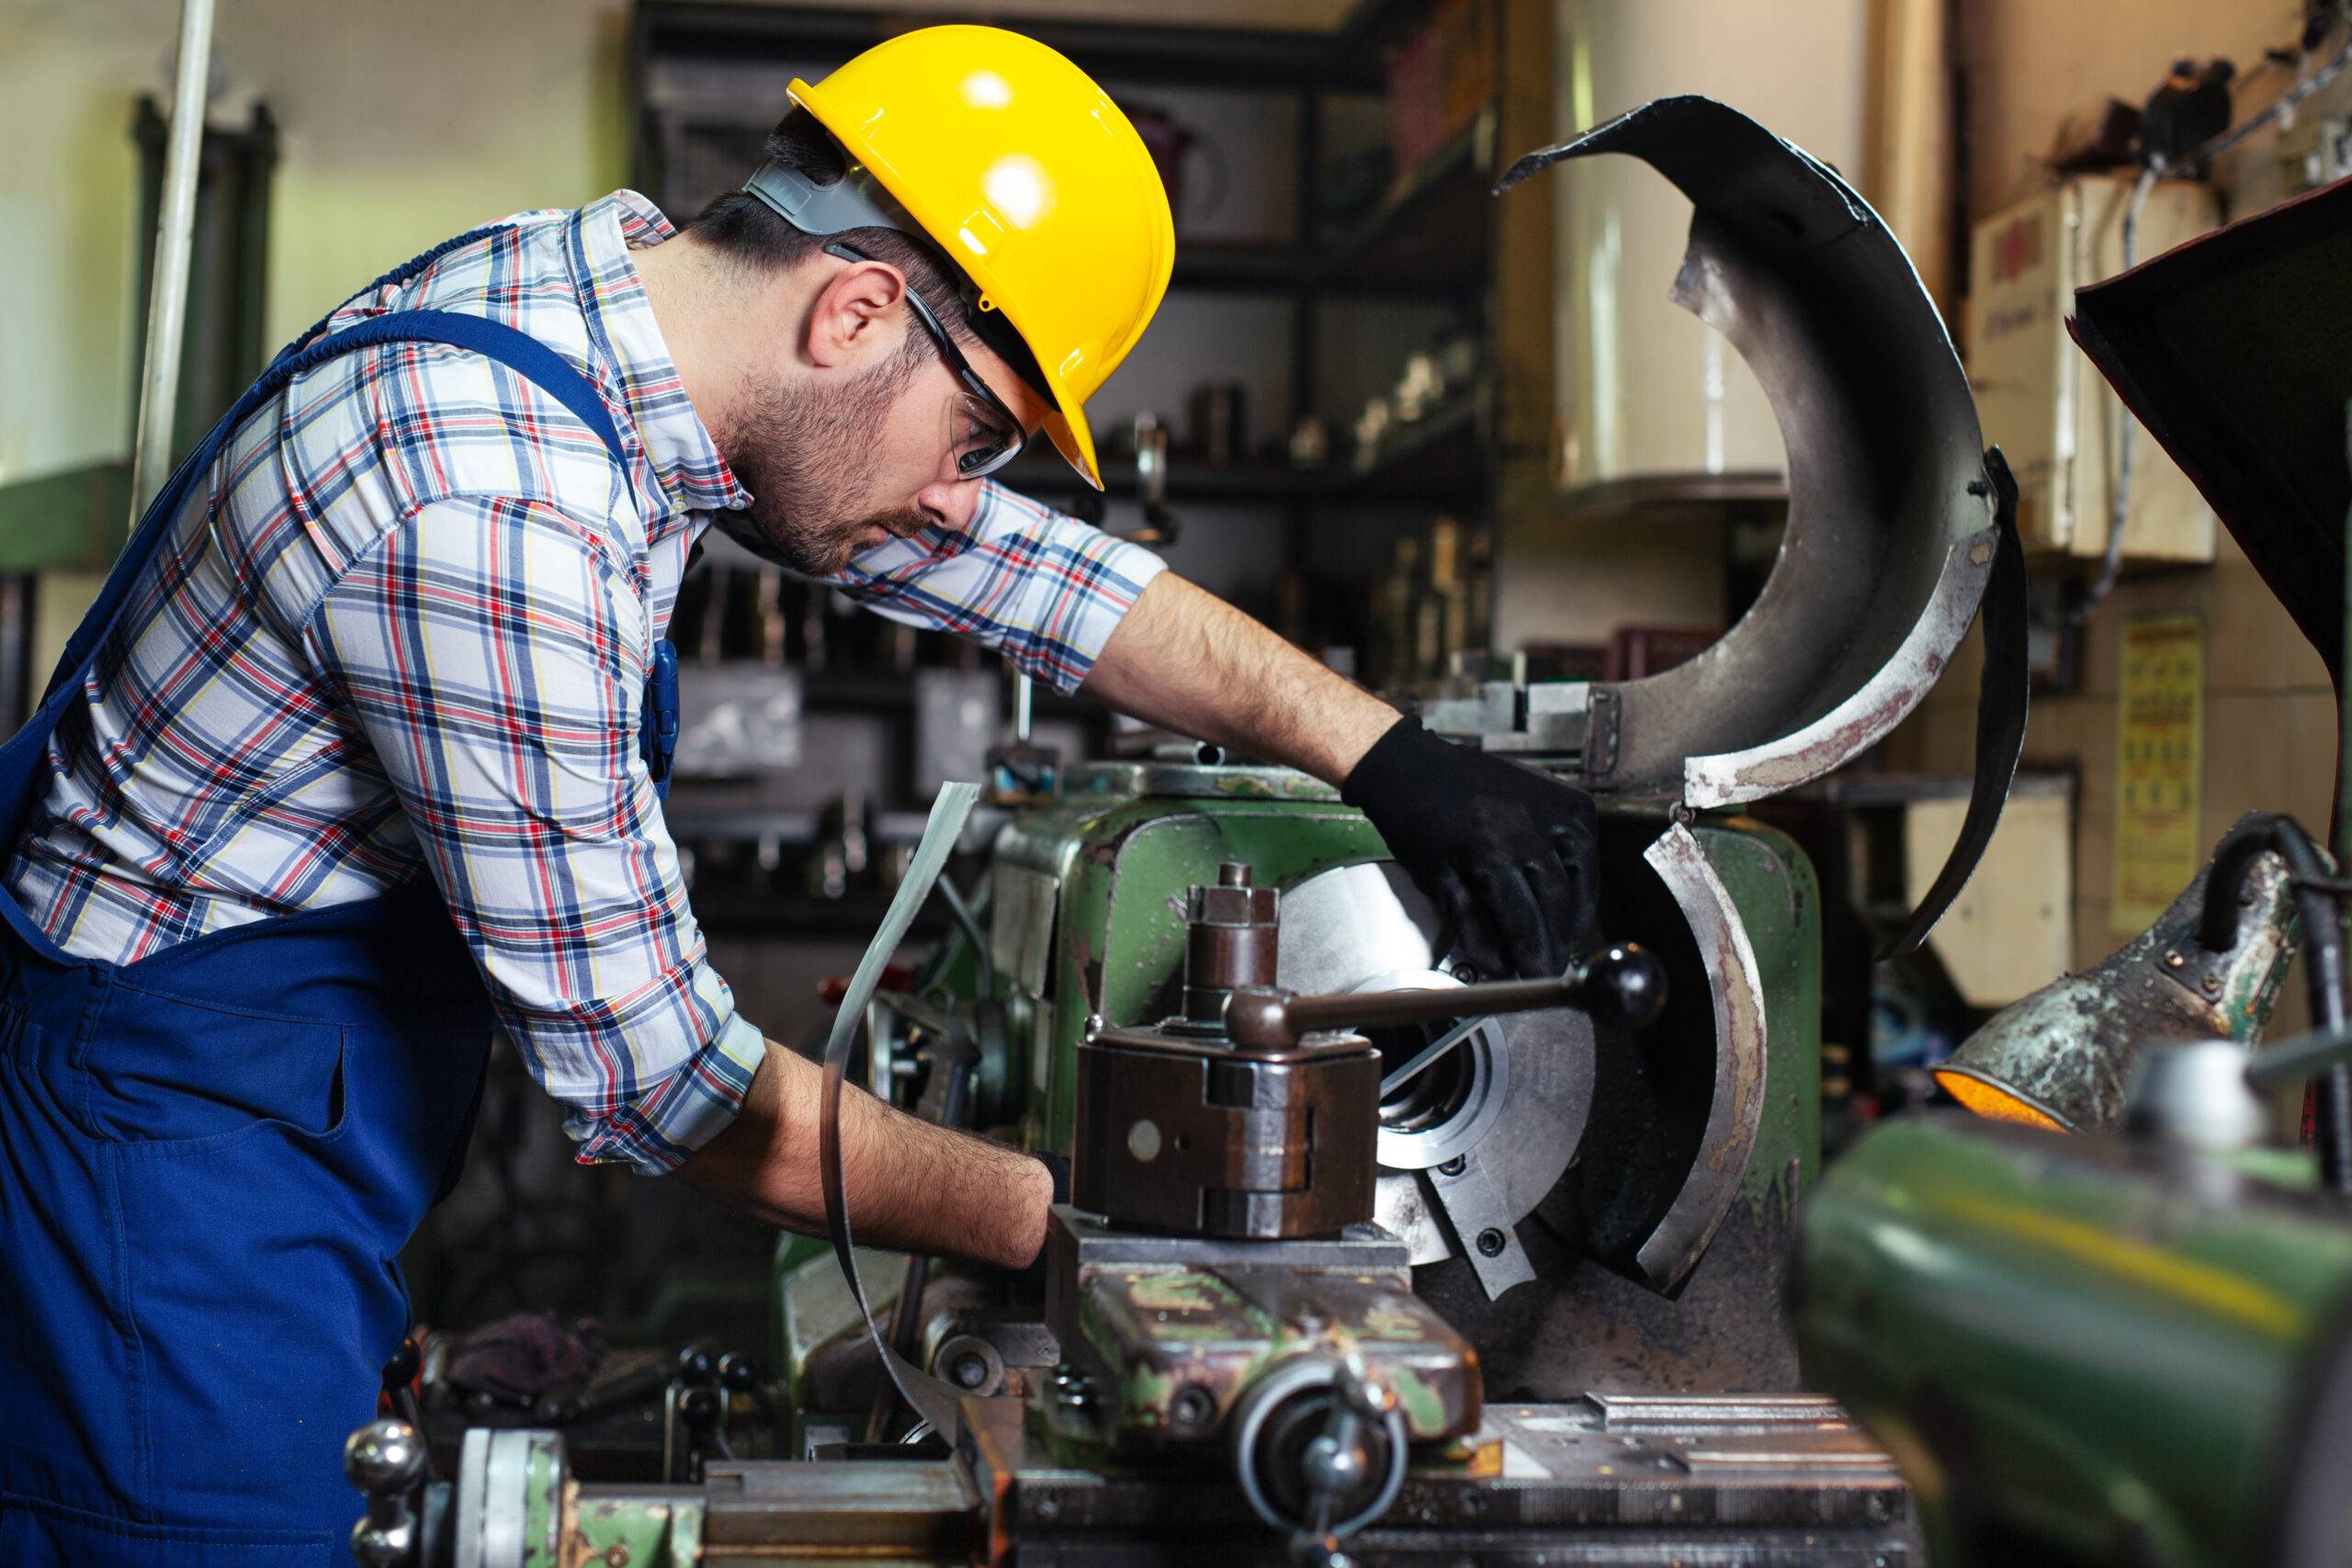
point(2042, 402)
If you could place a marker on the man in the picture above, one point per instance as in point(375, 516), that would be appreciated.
point(351, 758)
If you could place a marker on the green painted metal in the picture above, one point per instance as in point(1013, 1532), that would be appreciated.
point(2101, 1348)
point(636, 1529)
point(1120, 866)
point(1779, 897)
point(1167, 1329)
point(543, 1503)
point(72, 521)
point(1101, 875)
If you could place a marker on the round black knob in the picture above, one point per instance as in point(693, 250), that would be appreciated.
point(401, 1371)
point(738, 1373)
point(698, 1368)
point(1622, 984)
point(699, 1408)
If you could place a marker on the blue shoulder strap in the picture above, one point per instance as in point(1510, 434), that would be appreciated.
point(520, 352)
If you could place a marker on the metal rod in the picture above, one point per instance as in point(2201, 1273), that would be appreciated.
point(1423, 1058)
point(1378, 1009)
point(905, 1312)
point(159, 379)
point(2290, 1062)
point(1025, 701)
point(2341, 838)
point(1621, 983)
point(957, 906)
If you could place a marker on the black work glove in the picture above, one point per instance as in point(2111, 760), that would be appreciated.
point(1507, 853)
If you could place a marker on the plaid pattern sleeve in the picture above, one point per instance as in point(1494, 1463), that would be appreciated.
point(493, 657)
point(1045, 589)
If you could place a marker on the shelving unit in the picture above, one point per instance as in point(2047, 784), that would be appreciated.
point(708, 80)
point(1435, 236)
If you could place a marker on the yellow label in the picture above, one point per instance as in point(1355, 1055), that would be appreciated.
point(2159, 767)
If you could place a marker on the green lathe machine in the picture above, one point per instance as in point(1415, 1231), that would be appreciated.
point(1368, 1256)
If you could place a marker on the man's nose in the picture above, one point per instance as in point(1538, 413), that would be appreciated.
point(950, 503)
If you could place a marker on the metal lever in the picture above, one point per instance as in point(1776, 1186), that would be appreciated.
point(1621, 983)
point(386, 1459)
point(1336, 1464)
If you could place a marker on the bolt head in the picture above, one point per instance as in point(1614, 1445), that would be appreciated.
point(384, 1546)
point(384, 1457)
point(1491, 1242)
point(1192, 1408)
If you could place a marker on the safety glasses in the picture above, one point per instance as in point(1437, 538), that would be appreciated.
point(983, 434)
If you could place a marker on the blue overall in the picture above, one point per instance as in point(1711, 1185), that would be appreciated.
point(210, 1158)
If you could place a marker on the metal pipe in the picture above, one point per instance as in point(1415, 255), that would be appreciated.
point(2341, 838)
point(2286, 1062)
point(2322, 921)
point(1024, 703)
point(985, 965)
point(159, 377)
point(905, 1312)
point(2118, 507)
point(2217, 925)
point(2324, 930)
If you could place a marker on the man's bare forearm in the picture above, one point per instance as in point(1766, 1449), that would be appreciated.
point(910, 1185)
point(1186, 660)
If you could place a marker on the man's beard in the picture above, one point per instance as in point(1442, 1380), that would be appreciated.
point(801, 455)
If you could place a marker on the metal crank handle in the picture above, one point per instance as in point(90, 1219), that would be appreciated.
point(1621, 984)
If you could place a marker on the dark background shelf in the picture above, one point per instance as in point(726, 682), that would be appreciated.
point(1442, 458)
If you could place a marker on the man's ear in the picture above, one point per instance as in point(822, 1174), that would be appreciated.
point(848, 318)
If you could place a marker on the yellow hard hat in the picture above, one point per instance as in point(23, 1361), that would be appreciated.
point(1028, 174)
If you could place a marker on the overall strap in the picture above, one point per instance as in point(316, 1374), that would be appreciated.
point(520, 352)
point(20, 758)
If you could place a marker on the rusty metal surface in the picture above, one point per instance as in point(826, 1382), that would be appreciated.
point(1699, 1484)
point(1864, 718)
point(1737, 1108)
point(1890, 537)
point(906, 1507)
point(2068, 1050)
point(1183, 1344)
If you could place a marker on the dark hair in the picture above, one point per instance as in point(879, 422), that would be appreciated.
point(741, 227)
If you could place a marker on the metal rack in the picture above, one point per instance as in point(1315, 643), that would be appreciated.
point(1436, 235)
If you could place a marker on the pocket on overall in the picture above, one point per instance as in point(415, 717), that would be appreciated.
point(252, 1293)
point(161, 1068)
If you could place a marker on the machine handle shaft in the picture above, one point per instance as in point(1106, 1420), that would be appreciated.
point(1621, 983)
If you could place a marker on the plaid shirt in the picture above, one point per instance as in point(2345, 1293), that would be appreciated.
point(406, 625)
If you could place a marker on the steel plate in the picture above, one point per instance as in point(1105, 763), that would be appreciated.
point(1890, 537)
point(1525, 1086)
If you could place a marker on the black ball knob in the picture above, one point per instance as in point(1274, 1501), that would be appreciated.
point(401, 1371)
point(738, 1373)
point(698, 1368)
point(699, 1408)
point(1622, 984)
